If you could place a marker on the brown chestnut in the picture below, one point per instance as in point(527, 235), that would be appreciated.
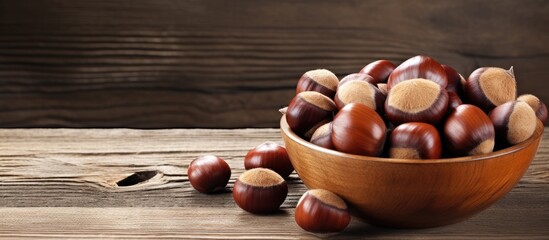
point(454, 80)
point(321, 211)
point(308, 111)
point(360, 92)
point(209, 174)
point(319, 80)
point(379, 70)
point(415, 140)
point(536, 104)
point(514, 121)
point(358, 129)
point(453, 101)
point(356, 77)
point(323, 136)
point(468, 130)
point(416, 100)
point(269, 155)
point(418, 67)
point(260, 191)
point(489, 87)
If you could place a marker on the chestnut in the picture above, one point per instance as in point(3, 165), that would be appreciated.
point(260, 191)
point(308, 111)
point(453, 101)
point(489, 87)
point(454, 80)
point(356, 77)
point(468, 130)
point(379, 70)
point(360, 92)
point(209, 174)
point(357, 129)
point(269, 155)
point(418, 67)
point(536, 104)
point(319, 80)
point(383, 88)
point(321, 211)
point(323, 136)
point(415, 140)
point(514, 121)
point(416, 100)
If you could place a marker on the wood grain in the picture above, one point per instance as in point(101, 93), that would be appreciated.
point(228, 64)
point(62, 182)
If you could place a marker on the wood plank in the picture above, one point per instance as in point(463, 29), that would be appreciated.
point(63, 183)
point(233, 64)
point(232, 223)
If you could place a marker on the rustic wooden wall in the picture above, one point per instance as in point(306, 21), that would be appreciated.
point(172, 63)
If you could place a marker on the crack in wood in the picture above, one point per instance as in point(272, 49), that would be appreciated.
point(136, 178)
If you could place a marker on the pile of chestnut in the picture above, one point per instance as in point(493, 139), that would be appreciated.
point(420, 109)
point(262, 188)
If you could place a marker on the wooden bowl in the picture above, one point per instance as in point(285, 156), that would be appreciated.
point(408, 193)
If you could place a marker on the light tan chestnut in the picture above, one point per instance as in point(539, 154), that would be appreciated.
point(358, 129)
point(416, 100)
point(322, 211)
point(308, 111)
point(319, 80)
point(536, 104)
point(469, 131)
point(514, 121)
point(323, 136)
point(360, 92)
point(415, 140)
point(260, 191)
point(489, 87)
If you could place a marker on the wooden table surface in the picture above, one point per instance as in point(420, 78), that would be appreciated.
point(70, 183)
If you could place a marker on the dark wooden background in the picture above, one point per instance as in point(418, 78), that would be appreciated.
point(229, 64)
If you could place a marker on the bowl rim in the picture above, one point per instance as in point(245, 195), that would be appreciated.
point(538, 133)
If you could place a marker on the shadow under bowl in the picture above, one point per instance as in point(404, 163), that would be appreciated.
point(407, 193)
